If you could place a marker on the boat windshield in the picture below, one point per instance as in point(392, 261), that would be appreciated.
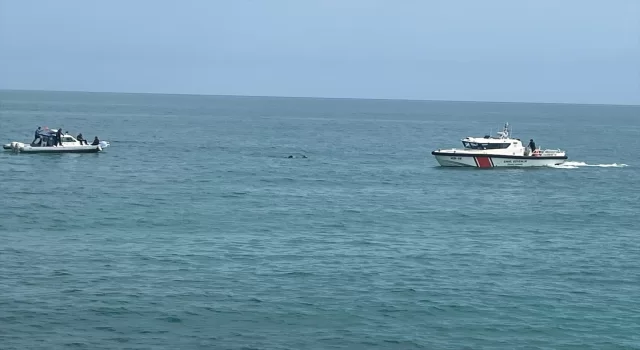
point(493, 145)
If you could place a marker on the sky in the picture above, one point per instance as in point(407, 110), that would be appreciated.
point(570, 51)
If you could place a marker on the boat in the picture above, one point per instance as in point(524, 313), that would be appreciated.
point(46, 145)
point(500, 151)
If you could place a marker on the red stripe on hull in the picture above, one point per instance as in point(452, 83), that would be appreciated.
point(484, 162)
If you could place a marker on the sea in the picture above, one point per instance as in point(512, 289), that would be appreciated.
point(221, 222)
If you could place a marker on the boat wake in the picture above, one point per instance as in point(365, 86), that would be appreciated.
point(576, 165)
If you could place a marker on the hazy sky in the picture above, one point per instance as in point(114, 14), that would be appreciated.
point(499, 50)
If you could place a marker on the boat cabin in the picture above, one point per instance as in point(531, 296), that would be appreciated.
point(502, 144)
point(490, 143)
point(48, 139)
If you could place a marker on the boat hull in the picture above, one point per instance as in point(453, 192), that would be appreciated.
point(22, 148)
point(493, 161)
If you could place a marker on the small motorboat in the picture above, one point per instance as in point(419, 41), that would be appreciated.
point(501, 151)
point(46, 145)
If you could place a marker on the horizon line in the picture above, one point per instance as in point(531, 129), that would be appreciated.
point(320, 97)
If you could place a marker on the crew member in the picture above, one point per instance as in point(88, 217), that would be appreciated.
point(37, 137)
point(81, 139)
point(532, 146)
point(59, 137)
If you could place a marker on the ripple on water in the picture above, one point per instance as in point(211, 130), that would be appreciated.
point(363, 245)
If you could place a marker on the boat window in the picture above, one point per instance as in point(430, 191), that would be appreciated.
point(497, 145)
point(474, 145)
point(67, 139)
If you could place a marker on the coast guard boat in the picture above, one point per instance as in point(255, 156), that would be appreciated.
point(501, 151)
point(46, 145)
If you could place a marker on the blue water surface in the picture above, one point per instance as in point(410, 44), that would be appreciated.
point(195, 230)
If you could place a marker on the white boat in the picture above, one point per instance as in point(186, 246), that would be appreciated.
point(46, 145)
point(501, 151)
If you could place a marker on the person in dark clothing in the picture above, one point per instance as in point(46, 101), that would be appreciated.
point(532, 145)
point(81, 139)
point(95, 141)
point(59, 137)
point(37, 137)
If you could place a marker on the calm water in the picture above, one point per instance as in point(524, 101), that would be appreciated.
point(195, 231)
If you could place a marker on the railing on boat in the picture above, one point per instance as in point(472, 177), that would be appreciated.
point(546, 152)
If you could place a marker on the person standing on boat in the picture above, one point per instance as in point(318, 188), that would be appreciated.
point(59, 137)
point(532, 146)
point(37, 137)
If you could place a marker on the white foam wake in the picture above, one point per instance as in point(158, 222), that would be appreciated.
point(575, 165)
